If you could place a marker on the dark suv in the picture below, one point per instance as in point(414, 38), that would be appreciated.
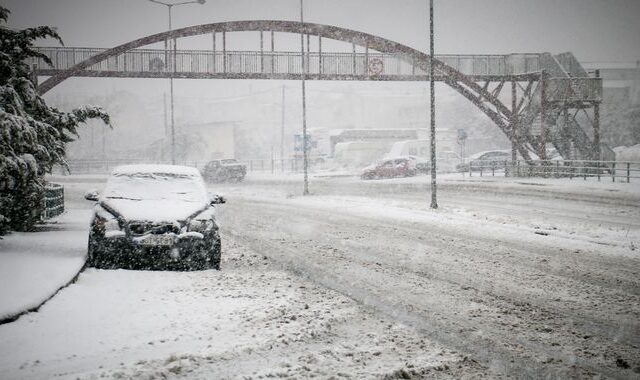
point(154, 217)
point(228, 170)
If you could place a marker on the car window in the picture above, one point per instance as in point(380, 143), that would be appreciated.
point(387, 164)
point(229, 161)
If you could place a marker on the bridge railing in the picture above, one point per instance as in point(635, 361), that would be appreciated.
point(283, 62)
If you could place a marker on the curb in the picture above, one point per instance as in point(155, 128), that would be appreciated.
point(14, 317)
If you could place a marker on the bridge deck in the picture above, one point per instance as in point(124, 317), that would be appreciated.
point(201, 64)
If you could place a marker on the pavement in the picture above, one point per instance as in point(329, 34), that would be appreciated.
point(35, 265)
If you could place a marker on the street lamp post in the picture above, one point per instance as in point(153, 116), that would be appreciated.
point(434, 202)
point(173, 129)
point(305, 148)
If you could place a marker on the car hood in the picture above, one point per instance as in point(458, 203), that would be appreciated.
point(153, 210)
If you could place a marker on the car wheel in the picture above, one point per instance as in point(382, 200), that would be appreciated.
point(215, 255)
point(90, 262)
point(95, 252)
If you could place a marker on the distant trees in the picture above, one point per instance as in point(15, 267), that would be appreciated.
point(32, 134)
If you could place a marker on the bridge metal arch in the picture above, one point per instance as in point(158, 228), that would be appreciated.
point(475, 93)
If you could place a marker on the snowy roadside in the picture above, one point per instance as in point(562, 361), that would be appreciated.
point(35, 265)
point(249, 320)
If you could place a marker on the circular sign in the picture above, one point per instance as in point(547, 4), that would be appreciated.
point(376, 66)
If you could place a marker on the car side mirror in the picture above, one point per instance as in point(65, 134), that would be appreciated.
point(91, 195)
point(217, 199)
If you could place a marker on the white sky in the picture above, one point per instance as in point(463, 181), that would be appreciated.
point(594, 30)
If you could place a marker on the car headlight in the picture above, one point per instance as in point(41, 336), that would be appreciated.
point(105, 222)
point(199, 225)
point(112, 225)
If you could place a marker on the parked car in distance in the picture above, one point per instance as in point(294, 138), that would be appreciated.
point(227, 170)
point(485, 160)
point(154, 217)
point(391, 168)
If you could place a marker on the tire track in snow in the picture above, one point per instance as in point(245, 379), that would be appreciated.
point(318, 270)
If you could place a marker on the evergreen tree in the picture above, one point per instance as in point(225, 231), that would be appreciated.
point(32, 134)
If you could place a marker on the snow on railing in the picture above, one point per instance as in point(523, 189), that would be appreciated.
point(290, 62)
point(53, 200)
point(616, 171)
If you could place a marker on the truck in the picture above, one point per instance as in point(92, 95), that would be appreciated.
point(225, 170)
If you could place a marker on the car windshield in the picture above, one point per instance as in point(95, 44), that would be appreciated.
point(230, 161)
point(156, 186)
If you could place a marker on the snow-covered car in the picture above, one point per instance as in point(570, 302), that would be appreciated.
point(485, 160)
point(391, 168)
point(224, 170)
point(154, 216)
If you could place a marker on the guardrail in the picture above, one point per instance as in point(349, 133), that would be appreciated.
point(616, 171)
point(53, 201)
point(291, 165)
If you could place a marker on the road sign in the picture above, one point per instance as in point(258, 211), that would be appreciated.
point(376, 66)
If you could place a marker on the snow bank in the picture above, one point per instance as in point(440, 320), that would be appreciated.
point(34, 265)
point(628, 153)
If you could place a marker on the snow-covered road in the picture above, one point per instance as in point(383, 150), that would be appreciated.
point(363, 280)
point(522, 279)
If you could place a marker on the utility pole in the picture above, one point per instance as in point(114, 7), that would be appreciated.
point(304, 109)
point(434, 202)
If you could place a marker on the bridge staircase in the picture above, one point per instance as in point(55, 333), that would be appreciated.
point(569, 92)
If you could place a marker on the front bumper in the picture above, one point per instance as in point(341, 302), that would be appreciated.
point(184, 253)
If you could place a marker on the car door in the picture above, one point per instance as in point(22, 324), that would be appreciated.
point(400, 168)
point(386, 169)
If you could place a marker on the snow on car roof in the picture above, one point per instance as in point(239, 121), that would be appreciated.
point(155, 169)
point(477, 155)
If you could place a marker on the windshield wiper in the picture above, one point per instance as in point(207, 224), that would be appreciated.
point(127, 198)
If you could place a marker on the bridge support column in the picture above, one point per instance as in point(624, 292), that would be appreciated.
point(543, 111)
point(213, 36)
point(366, 59)
point(353, 45)
point(261, 52)
point(566, 134)
point(320, 62)
point(273, 56)
point(224, 52)
point(514, 124)
point(596, 127)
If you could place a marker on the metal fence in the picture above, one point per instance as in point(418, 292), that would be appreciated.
point(615, 171)
point(288, 165)
point(53, 200)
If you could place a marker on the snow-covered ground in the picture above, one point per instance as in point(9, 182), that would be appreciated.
point(34, 265)
point(251, 319)
point(522, 277)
